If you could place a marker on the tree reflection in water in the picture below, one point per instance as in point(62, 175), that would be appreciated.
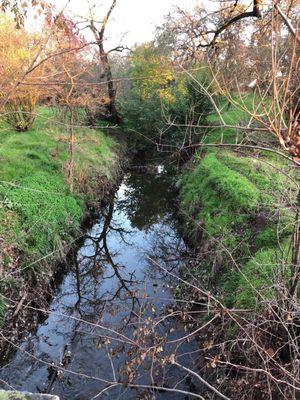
point(144, 202)
point(89, 269)
point(111, 304)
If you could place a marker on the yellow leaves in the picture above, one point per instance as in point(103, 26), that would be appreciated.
point(60, 23)
point(165, 95)
point(240, 8)
point(17, 50)
point(219, 41)
point(104, 100)
point(153, 73)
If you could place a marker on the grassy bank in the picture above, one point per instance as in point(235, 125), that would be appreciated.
point(237, 208)
point(39, 216)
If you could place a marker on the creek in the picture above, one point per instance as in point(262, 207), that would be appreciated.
point(116, 293)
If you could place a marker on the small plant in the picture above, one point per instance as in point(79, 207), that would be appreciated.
point(20, 112)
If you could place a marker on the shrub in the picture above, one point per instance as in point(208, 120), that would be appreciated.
point(20, 112)
point(18, 49)
point(162, 96)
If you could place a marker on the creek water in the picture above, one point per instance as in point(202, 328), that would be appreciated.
point(115, 294)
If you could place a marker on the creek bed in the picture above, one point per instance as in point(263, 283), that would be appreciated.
point(115, 289)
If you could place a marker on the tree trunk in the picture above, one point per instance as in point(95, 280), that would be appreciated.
point(113, 115)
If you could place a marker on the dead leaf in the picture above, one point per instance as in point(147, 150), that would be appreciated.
point(270, 352)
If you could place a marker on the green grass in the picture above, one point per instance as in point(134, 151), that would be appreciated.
point(238, 199)
point(223, 195)
point(233, 114)
point(50, 214)
point(259, 277)
point(38, 213)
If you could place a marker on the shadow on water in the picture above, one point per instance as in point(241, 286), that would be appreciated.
point(103, 316)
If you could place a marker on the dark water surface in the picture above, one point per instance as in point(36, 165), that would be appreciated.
point(109, 298)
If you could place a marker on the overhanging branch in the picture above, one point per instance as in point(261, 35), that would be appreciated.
point(255, 13)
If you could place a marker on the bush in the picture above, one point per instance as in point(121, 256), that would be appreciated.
point(20, 112)
point(162, 96)
point(17, 50)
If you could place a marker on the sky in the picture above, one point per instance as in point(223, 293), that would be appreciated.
point(136, 19)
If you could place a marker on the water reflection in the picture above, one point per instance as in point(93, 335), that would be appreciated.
point(104, 311)
point(147, 201)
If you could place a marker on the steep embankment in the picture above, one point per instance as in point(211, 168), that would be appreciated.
point(40, 218)
point(237, 208)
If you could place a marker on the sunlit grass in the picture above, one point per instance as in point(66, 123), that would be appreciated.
point(38, 213)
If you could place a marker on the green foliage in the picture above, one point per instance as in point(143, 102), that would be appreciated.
point(234, 188)
point(44, 147)
point(20, 113)
point(48, 211)
point(158, 94)
point(258, 278)
point(266, 238)
point(150, 72)
point(237, 200)
point(197, 102)
point(232, 330)
point(5, 395)
point(229, 282)
point(262, 172)
point(224, 195)
point(38, 214)
point(142, 120)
